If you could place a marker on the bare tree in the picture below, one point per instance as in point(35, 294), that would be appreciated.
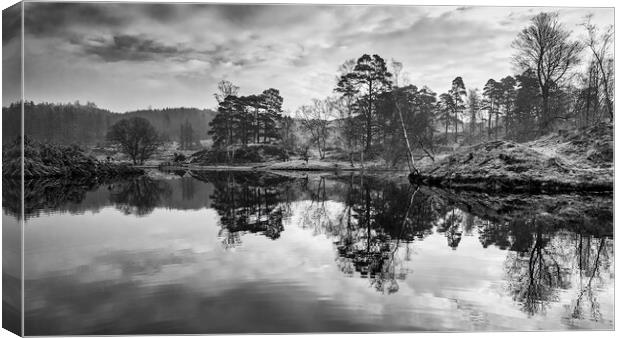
point(225, 88)
point(545, 47)
point(397, 68)
point(599, 44)
point(347, 127)
point(315, 119)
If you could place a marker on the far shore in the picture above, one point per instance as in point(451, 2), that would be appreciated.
point(293, 165)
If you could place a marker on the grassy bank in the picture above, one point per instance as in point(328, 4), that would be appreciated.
point(560, 162)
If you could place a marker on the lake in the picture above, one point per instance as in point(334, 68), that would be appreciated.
point(236, 252)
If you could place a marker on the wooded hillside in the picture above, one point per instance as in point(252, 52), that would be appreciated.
point(86, 124)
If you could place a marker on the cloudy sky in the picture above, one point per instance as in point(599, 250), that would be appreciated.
point(131, 56)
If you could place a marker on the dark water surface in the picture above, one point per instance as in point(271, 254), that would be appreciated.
point(209, 252)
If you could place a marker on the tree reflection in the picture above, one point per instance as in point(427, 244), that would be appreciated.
point(594, 259)
point(534, 276)
point(316, 214)
point(41, 195)
point(452, 228)
point(554, 243)
point(541, 264)
point(378, 218)
point(248, 202)
point(139, 196)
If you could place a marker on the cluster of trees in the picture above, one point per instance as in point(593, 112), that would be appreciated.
point(452, 105)
point(550, 92)
point(244, 120)
point(372, 113)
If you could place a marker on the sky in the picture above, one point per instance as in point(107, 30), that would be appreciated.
point(127, 56)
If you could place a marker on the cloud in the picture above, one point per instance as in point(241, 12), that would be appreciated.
point(11, 23)
point(52, 19)
point(129, 48)
point(295, 48)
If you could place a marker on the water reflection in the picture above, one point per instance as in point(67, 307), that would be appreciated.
point(544, 256)
point(248, 202)
point(44, 194)
point(139, 196)
point(134, 196)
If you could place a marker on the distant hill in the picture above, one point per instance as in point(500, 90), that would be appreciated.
point(88, 124)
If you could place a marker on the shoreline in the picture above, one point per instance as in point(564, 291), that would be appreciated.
point(498, 184)
point(456, 181)
point(295, 165)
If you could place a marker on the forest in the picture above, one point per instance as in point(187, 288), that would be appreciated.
point(87, 124)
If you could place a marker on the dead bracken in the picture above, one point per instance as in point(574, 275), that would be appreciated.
point(49, 160)
point(581, 160)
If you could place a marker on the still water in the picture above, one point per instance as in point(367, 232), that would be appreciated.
point(207, 252)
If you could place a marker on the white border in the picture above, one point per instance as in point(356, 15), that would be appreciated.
point(528, 3)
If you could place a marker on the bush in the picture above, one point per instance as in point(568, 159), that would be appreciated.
point(50, 160)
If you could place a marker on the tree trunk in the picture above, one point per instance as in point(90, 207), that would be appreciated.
point(456, 127)
point(610, 108)
point(349, 136)
point(410, 161)
point(588, 97)
point(489, 121)
point(546, 119)
point(369, 118)
point(368, 131)
point(256, 126)
point(497, 124)
point(489, 127)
